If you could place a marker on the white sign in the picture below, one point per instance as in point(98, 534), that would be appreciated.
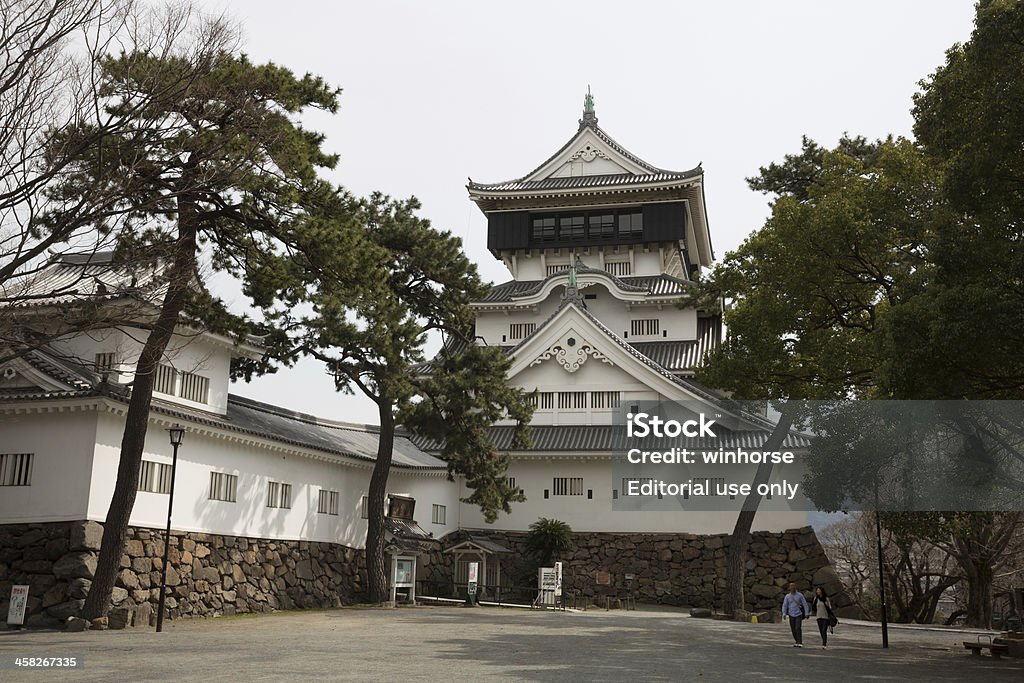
point(19, 601)
point(471, 588)
point(558, 579)
point(546, 584)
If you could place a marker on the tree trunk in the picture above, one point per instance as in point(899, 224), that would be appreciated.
point(979, 595)
point(376, 570)
point(179, 275)
point(740, 537)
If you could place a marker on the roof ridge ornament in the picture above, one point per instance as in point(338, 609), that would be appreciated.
point(572, 292)
point(589, 115)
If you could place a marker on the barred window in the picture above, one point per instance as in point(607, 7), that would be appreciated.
point(164, 380)
point(279, 495)
point(194, 387)
point(328, 503)
point(511, 483)
point(557, 268)
point(105, 362)
point(572, 400)
point(546, 400)
point(567, 486)
point(618, 268)
point(438, 514)
point(521, 330)
point(605, 399)
point(223, 486)
point(364, 505)
point(644, 327)
point(155, 477)
point(15, 469)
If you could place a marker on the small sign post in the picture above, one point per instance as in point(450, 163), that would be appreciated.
point(558, 581)
point(19, 601)
point(546, 584)
point(471, 588)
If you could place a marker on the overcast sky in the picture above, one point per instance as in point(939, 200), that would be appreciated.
point(435, 92)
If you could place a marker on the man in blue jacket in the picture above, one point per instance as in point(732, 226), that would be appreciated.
point(794, 606)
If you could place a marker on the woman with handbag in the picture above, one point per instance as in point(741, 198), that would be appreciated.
point(822, 608)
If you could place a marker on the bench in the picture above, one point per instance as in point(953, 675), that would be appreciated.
point(976, 646)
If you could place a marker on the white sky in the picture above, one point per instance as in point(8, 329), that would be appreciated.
point(435, 92)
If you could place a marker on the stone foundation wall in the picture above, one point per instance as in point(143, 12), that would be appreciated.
point(677, 569)
point(207, 574)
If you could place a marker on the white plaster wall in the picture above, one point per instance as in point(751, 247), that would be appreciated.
point(187, 353)
point(255, 466)
point(593, 375)
point(535, 473)
point(675, 324)
point(62, 448)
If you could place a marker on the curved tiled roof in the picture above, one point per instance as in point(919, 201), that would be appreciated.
point(584, 181)
point(244, 415)
point(652, 285)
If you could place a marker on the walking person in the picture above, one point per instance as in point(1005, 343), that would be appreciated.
point(794, 606)
point(822, 608)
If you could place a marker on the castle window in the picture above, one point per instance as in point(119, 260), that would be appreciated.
point(155, 477)
point(631, 224)
point(223, 486)
point(165, 379)
point(279, 495)
point(571, 227)
point(618, 268)
point(572, 400)
point(602, 226)
point(567, 486)
point(645, 327)
point(557, 268)
point(105, 362)
point(605, 399)
point(15, 469)
point(544, 228)
point(194, 387)
point(328, 503)
point(438, 514)
point(521, 330)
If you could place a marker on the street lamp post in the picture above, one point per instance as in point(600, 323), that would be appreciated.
point(177, 435)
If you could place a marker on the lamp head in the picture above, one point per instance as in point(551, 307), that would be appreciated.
point(177, 434)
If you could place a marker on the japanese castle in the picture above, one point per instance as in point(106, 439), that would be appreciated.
point(602, 247)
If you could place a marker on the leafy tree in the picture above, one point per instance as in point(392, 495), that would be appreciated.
point(214, 158)
point(547, 538)
point(50, 56)
point(375, 345)
point(811, 289)
point(968, 118)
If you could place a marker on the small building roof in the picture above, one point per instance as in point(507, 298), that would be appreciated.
point(273, 423)
point(484, 545)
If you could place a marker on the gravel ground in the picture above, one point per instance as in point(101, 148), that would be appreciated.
point(452, 643)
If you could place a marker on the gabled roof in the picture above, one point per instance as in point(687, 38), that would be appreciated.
point(540, 178)
point(92, 276)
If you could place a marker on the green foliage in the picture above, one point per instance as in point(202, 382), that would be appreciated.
point(422, 284)
point(965, 339)
point(548, 537)
point(809, 291)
